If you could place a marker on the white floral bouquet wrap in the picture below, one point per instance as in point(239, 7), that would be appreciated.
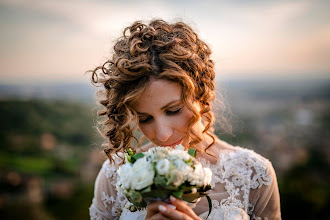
point(161, 172)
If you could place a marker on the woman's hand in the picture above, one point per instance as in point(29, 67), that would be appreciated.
point(153, 212)
point(177, 210)
point(182, 211)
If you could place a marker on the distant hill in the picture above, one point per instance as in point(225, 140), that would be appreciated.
point(79, 92)
point(280, 88)
point(257, 88)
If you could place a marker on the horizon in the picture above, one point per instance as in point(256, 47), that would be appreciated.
point(83, 91)
point(219, 79)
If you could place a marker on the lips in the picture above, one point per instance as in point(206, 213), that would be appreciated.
point(173, 144)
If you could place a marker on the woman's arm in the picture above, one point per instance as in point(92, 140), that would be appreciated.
point(105, 195)
point(266, 199)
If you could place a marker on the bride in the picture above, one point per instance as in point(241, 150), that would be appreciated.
point(161, 80)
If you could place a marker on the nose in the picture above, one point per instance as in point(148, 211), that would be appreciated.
point(163, 131)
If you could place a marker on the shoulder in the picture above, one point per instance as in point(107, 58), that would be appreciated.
point(241, 164)
point(245, 157)
point(107, 177)
point(228, 155)
point(109, 169)
point(256, 178)
point(256, 169)
point(107, 202)
point(248, 178)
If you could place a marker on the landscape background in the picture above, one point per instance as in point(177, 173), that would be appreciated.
point(272, 66)
point(50, 153)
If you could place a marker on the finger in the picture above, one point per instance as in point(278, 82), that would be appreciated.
point(173, 214)
point(154, 205)
point(153, 208)
point(158, 216)
point(183, 207)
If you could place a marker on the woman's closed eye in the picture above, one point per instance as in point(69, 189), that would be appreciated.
point(145, 119)
point(173, 112)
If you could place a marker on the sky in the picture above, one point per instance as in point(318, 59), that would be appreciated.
point(58, 41)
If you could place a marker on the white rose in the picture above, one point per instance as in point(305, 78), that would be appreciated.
point(175, 177)
point(157, 153)
point(125, 174)
point(179, 147)
point(197, 177)
point(143, 174)
point(155, 150)
point(183, 155)
point(163, 166)
point(183, 167)
point(147, 154)
point(207, 176)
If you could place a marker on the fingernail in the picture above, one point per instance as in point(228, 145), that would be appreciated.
point(173, 198)
point(171, 206)
point(162, 208)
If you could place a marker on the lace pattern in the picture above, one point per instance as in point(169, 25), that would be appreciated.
point(95, 213)
point(219, 213)
point(239, 171)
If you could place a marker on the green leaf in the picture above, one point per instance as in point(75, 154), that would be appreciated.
point(158, 193)
point(206, 188)
point(127, 158)
point(139, 204)
point(137, 156)
point(186, 188)
point(191, 197)
point(130, 152)
point(154, 167)
point(160, 180)
point(178, 194)
point(192, 152)
point(170, 187)
point(148, 189)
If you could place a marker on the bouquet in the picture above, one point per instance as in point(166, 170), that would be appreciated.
point(161, 172)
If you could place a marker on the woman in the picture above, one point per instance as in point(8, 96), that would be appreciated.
point(161, 80)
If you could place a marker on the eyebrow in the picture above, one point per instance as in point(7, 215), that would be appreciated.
point(170, 103)
point(164, 107)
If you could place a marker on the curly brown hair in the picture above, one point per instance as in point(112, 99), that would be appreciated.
point(157, 50)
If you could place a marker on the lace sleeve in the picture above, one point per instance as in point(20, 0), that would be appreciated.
point(266, 198)
point(107, 202)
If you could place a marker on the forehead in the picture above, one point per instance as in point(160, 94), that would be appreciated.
point(157, 94)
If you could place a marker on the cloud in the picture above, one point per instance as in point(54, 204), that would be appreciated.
point(266, 38)
point(60, 38)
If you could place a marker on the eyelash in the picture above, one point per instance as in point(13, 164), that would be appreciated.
point(175, 112)
point(145, 120)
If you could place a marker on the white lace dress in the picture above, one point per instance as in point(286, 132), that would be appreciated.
point(244, 186)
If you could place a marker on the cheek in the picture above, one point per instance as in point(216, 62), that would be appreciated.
point(184, 119)
point(146, 130)
point(197, 127)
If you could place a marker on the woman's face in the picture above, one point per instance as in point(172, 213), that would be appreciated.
point(163, 117)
